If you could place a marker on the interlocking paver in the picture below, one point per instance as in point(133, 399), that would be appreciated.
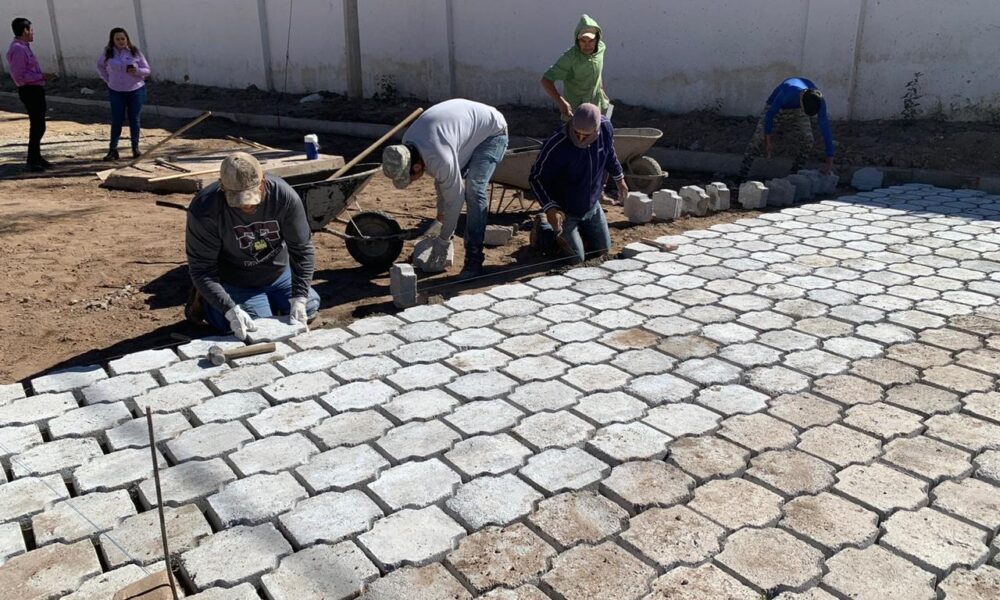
point(732, 399)
point(14, 439)
point(422, 376)
point(771, 559)
point(881, 488)
point(596, 378)
point(50, 571)
point(736, 503)
point(934, 541)
point(11, 542)
point(884, 371)
point(411, 537)
point(560, 429)
point(791, 472)
point(848, 389)
point(923, 399)
point(484, 416)
point(540, 396)
point(604, 571)
point(682, 419)
point(208, 441)
point(487, 455)
point(334, 572)
point(696, 583)
point(643, 484)
point(244, 379)
point(974, 500)
point(228, 407)
point(965, 584)
point(358, 396)
point(61, 456)
point(65, 380)
point(36, 409)
point(486, 359)
point(928, 458)
point(135, 433)
point(578, 517)
point(831, 521)
point(188, 482)
point(493, 501)
point(420, 405)
point(341, 469)
point(329, 518)
point(659, 389)
point(365, 368)
point(415, 484)
point(558, 470)
point(350, 429)
point(481, 386)
point(883, 421)
point(62, 522)
point(432, 582)
point(758, 432)
point(776, 380)
point(272, 454)
point(89, 420)
point(965, 431)
point(621, 442)
point(139, 535)
point(531, 368)
point(237, 555)
point(674, 536)
point(418, 440)
point(494, 557)
point(876, 574)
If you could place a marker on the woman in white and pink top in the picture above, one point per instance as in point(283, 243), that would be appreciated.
point(124, 69)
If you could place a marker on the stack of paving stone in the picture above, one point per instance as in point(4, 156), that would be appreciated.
point(800, 405)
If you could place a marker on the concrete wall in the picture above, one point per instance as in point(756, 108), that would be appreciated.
point(676, 55)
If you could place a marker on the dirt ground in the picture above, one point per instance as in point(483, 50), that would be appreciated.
point(90, 274)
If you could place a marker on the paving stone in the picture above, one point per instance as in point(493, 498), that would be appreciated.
point(928, 458)
point(750, 355)
point(577, 517)
point(300, 386)
point(14, 440)
point(208, 441)
point(237, 555)
point(776, 380)
point(320, 338)
point(139, 535)
point(682, 419)
point(596, 378)
point(528, 345)
point(329, 518)
point(876, 574)
point(61, 456)
point(579, 353)
point(139, 362)
point(816, 362)
point(487, 455)
point(312, 360)
point(673, 536)
point(831, 521)
point(420, 405)
point(333, 572)
point(369, 344)
point(273, 329)
point(696, 583)
point(553, 430)
point(66, 380)
point(644, 484)
point(839, 445)
point(610, 407)
point(622, 442)
point(525, 592)
point(950, 339)
point(135, 433)
point(758, 432)
point(708, 371)
point(424, 331)
point(935, 541)
point(105, 585)
point(604, 571)
point(50, 571)
point(11, 542)
point(971, 499)
point(375, 325)
point(341, 469)
point(350, 429)
point(557, 470)
point(963, 584)
point(244, 379)
point(736, 503)
point(957, 378)
point(984, 405)
point(365, 368)
point(479, 360)
point(848, 390)
point(411, 537)
point(708, 457)
point(22, 498)
point(660, 389)
point(985, 360)
point(432, 582)
point(494, 557)
point(196, 369)
point(484, 416)
point(479, 386)
point(884, 421)
point(10, 391)
point(62, 522)
point(884, 371)
point(965, 431)
point(493, 501)
point(418, 440)
point(852, 347)
point(423, 352)
point(172, 398)
point(415, 484)
point(923, 399)
point(228, 407)
point(732, 399)
point(188, 482)
point(88, 420)
point(286, 418)
point(121, 387)
point(824, 327)
point(881, 488)
point(544, 396)
point(533, 368)
point(988, 466)
point(804, 410)
point(791, 472)
point(272, 455)
point(772, 560)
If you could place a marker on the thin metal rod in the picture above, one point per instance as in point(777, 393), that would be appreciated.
point(159, 505)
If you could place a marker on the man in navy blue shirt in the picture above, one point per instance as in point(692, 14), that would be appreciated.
point(793, 104)
point(568, 181)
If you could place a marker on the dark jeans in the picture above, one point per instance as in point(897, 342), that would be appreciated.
point(33, 98)
point(262, 302)
point(122, 102)
point(478, 172)
point(586, 235)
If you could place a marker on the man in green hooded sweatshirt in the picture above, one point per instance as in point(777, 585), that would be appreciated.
point(579, 68)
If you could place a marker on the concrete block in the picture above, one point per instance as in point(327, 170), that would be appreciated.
point(803, 187)
point(121, 387)
point(638, 208)
point(753, 195)
point(195, 369)
point(736, 503)
point(604, 571)
point(10, 391)
point(320, 338)
point(244, 379)
point(254, 500)
point(578, 517)
point(622, 442)
point(11, 542)
point(287, 418)
point(187, 483)
point(107, 584)
point(934, 541)
point(643, 484)
point(422, 252)
point(274, 329)
point(637, 248)
point(719, 194)
point(36, 409)
point(22, 498)
point(417, 405)
point(333, 572)
point(557, 471)
point(418, 440)
point(781, 192)
point(60, 456)
point(341, 469)
point(667, 205)
point(135, 433)
point(172, 398)
point(771, 559)
point(358, 396)
point(674, 536)
point(198, 349)
point(432, 582)
point(117, 470)
point(867, 179)
point(493, 501)
point(139, 535)
point(487, 455)
point(329, 518)
point(208, 441)
point(499, 235)
point(50, 571)
point(89, 420)
point(234, 556)
point(416, 484)
point(68, 379)
point(62, 522)
point(311, 361)
point(300, 386)
point(229, 407)
point(881, 488)
point(392, 546)
point(696, 201)
point(14, 440)
point(403, 285)
point(281, 351)
point(371, 344)
point(272, 454)
point(497, 557)
point(831, 522)
point(140, 362)
point(868, 573)
point(350, 429)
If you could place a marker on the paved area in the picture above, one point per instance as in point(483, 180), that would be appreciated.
point(802, 405)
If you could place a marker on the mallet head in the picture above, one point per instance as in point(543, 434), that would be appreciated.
point(216, 355)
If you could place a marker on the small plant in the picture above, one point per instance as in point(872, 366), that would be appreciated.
point(386, 89)
point(911, 99)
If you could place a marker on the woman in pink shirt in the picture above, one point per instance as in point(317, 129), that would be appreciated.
point(124, 69)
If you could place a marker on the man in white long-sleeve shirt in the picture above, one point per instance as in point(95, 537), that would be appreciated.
point(459, 143)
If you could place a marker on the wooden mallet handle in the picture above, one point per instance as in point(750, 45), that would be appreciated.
point(251, 350)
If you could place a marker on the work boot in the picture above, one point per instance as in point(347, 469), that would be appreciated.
point(34, 166)
point(472, 268)
point(136, 153)
point(44, 163)
point(111, 155)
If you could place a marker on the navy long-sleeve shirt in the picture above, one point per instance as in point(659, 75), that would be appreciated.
point(787, 96)
point(572, 178)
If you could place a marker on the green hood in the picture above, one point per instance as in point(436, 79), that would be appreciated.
point(588, 21)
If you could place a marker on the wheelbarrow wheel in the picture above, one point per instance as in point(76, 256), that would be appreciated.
point(644, 175)
point(374, 254)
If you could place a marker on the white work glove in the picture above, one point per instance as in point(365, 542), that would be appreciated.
point(298, 311)
point(439, 255)
point(240, 322)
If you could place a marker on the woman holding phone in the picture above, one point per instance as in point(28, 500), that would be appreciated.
point(124, 69)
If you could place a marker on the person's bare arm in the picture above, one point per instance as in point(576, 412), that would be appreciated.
point(550, 89)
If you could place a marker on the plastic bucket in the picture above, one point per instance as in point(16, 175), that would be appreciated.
point(312, 146)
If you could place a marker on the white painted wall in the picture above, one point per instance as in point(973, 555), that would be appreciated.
point(84, 27)
point(316, 52)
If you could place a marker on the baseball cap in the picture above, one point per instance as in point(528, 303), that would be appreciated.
point(240, 175)
point(588, 33)
point(396, 165)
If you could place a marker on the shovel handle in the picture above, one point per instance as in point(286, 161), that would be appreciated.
point(379, 142)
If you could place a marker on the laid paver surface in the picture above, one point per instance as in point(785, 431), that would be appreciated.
point(799, 405)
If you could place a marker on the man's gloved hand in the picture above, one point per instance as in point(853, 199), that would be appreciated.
point(438, 260)
point(298, 311)
point(240, 322)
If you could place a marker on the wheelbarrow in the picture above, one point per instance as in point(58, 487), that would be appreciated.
point(642, 173)
point(373, 238)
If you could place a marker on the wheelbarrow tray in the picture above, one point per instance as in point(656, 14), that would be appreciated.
point(326, 200)
point(632, 142)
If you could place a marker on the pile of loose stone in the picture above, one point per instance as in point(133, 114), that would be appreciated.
point(801, 405)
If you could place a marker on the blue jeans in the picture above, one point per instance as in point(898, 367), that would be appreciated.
point(478, 172)
point(262, 302)
point(122, 102)
point(586, 235)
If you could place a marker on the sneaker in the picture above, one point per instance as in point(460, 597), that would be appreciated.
point(470, 271)
point(110, 156)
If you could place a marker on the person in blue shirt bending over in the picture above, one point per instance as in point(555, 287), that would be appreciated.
point(792, 104)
